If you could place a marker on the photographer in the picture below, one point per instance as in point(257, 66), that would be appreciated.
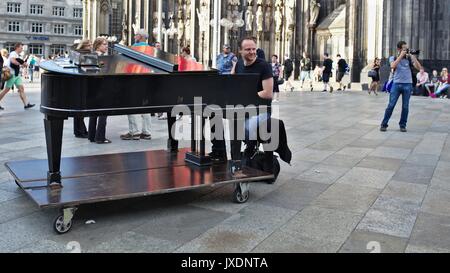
point(403, 83)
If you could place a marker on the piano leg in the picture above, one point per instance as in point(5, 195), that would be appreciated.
point(198, 157)
point(172, 143)
point(53, 137)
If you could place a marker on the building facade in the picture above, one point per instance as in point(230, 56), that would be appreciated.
point(44, 27)
point(359, 30)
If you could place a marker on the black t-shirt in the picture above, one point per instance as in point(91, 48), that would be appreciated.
point(288, 66)
point(260, 67)
point(328, 64)
point(342, 64)
point(306, 64)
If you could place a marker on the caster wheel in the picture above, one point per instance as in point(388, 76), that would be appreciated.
point(59, 226)
point(239, 197)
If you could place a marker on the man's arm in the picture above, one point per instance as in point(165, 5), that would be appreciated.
point(395, 63)
point(267, 92)
point(416, 62)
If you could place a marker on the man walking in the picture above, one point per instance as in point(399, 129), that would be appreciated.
point(140, 38)
point(14, 63)
point(288, 68)
point(403, 84)
point(326, 73)
point(341, 70)
point(306, 68)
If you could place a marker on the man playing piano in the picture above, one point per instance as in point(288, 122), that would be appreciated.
point(140, 38)
point(253, 65)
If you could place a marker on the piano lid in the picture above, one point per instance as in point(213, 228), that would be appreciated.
point(163, 60)
point(110, 65)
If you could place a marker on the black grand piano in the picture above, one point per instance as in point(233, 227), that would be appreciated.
point(134, 80)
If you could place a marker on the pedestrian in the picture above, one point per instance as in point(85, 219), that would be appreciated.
point(79, 128)
point(97, 125)
point(140, 39)
point(327, 71)
point(225, 60)
point(402, 84)
point(288, 68)
point(375, 75)
point(306, 69)
point(340, 73)
point(276, 70)
point(14, 62)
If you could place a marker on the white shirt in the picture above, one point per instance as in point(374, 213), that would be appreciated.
point(14, 55)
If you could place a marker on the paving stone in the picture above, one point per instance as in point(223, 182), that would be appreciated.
point(345, 161)
point(241, 232)
point(414, 174)
point(369, 242)
point(391, 216)
point(312, 155)
point(182, 224)
point(355, 151)
point(406, 191)
point(348, 198)
point(294, 195)
point(381, 163)
point(322, 173)
point(423, 160)
point(437, 201)
point(367, 178)
point(390, 152)
point(431, 232)
point(320, 224)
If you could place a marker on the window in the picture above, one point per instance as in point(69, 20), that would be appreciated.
point(78, 30)
point(57, 49)
point(58, 29)
point(37, 27)
point(13, 26)
point(36, 49)
point(58, 11)
point(10, 47)
point(13, 7)
point(36, 9)
point(77, 13)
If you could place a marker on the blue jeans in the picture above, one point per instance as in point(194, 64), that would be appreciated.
point(404, 89)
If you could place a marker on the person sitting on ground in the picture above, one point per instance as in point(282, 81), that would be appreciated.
point(434, 83)
point(444, 85)
point(317, 74)
point(422, 80)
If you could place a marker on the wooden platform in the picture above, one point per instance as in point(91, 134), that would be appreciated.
point(101, 178)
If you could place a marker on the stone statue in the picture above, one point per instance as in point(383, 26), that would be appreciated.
point(249, 19)
point(250, 3)
point(268, 16)
point(278, 3)
point(259, 19)
point(180, 29)
point(278, 20)
point(260, 2)
point(187, 28)
point(314, 10)
point(290, 4)
point(203, 18)
point(124, 40)
point(137, 23)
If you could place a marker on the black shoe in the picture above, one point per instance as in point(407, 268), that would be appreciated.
point(29, 105)
point(82, 136)
point(383, 129)
point(339, 89)
point(403, 130)
point(106, 141)
point(218, 157)
point(1, 108)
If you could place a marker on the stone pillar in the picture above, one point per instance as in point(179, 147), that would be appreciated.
point(160, 12)
point(85, 19)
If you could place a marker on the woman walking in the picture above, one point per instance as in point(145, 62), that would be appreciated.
point(375, 77)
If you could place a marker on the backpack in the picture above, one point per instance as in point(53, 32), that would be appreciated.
point(288, 65)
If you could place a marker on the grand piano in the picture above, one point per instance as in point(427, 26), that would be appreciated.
point(133, 80)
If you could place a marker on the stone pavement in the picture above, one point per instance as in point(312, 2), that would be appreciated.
point(350, 188)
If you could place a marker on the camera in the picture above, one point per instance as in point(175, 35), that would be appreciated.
point(413, 52)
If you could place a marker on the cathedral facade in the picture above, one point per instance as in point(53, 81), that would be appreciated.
point(359, 30)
